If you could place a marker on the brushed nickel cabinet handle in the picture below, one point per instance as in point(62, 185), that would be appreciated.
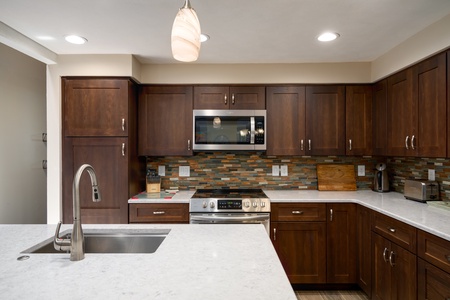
point(232, 99)
point(274, 234)
point(297, 212)
point(412, 142)
point(123, 149)
point(393, 230)
point(384, 254)
point(406, 142)
point(159, 212)
point(331, 214)
point(448, 257)
point(391, 258)
point(309, 145)
point(301, 145)
point(123, 124)
point(225, 98)
point(189, 145)
point(350, 144)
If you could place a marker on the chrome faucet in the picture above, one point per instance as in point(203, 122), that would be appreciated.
point(76, 242)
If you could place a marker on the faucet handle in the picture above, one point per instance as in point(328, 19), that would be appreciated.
point(59, 243)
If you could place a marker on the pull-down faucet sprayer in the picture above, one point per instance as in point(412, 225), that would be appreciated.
point(76, 243)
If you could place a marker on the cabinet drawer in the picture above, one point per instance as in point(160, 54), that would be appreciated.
point(434, 250)
point(159, 213)
point(298, 212)
point(432, 282)
point(396, 231)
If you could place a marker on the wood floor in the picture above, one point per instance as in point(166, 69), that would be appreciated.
point(331, 295)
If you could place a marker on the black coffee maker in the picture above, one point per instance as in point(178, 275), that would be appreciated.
point(380, 180)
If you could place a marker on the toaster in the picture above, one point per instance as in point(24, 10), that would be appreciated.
point(421, 190)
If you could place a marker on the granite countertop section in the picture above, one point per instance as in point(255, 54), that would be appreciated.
point(193, 262)
point(163, 197)
point(420, 215)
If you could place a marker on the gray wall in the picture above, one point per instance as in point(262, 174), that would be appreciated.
point(23, 182)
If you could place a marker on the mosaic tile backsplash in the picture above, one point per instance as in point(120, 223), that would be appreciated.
point(254, 170)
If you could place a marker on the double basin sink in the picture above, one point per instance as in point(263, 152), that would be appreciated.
point(110, 241)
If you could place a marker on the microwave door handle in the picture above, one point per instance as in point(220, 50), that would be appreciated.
point(252, 130)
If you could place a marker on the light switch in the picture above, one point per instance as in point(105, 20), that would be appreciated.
point(284, 170)
point(275, 170)
point(162, 170)
point(361, 170)
point(184, 171)
point(431, 175)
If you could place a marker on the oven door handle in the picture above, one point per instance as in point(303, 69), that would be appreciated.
point(228, 218)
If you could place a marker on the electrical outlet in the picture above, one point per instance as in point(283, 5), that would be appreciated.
point(284, 170)
point(162, 170)
point(431, 175)
point(275, 170)
point(184, 171)
point(361, 170)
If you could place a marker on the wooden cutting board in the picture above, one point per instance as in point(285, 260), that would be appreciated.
point(336, 177)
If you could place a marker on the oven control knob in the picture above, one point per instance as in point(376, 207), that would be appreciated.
point(255, 204)
point(205, 205)
point(211, 204)
point(247, 204)
point(263, 204)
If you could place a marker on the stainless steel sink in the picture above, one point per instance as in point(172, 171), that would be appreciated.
point(110, 241)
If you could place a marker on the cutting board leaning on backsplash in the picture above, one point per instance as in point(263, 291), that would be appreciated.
point(336, 177)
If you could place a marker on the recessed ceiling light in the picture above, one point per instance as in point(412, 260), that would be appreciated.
point(328, 36)
point(204, 37)
point(75, 39)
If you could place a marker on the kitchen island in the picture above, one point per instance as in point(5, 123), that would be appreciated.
point(193, 262)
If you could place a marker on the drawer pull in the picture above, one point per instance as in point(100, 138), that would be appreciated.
point(159, 212)
point(392, 230)
point(297, 212)
point(384, 254)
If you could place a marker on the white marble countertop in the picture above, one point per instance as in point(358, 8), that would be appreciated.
point(179, 197)
point(421, 215)
point(193, 262)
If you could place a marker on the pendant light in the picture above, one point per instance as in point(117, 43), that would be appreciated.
point(186, 34)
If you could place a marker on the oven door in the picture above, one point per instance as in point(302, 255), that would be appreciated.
point(231, 218)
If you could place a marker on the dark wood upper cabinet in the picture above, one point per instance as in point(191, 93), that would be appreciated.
point(401, 114)
point(95, 107)
point(165, 120)
point(325, 120)
point(229, 97)
point(358, 119)
point(379, 120)
point(285, 120)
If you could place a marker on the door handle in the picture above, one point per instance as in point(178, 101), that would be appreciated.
point(412, 142)
point(123, 124)
point(232, 99)
point(189, 145)
point(391, 258)
point(384, 254)
point(225, 98)
point(309, 145)
point(274, 234)
point(350, 144)
point(123, 149)
point(331, 214)
point(406, 142)
point(301, 145)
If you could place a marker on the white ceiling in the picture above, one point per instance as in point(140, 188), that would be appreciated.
point(242, 31)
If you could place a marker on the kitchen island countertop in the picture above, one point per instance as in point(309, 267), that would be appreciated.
point(193, 262)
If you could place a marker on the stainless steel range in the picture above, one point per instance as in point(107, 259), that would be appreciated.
point(230, 206)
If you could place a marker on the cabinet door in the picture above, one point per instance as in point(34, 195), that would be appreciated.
point(404, 273)
point(429, 76)
point(109, 158)
point(341, 243)
point(379, 120)
point(358, 116)
point(433, 283)
point(211, 97)
point(381, 279)
point(286, 120)
point(325, 120)
point(301, 249)
point(401, 114)
point(247, 97)
point(364, 268)
point(165, 120)
point(95, 107)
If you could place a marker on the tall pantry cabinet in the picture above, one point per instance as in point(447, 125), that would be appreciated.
point(99, 128)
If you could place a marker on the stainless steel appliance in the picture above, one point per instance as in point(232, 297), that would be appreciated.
point(380, 180)
point(421, 190)
point(230, 206)
point(229, 129)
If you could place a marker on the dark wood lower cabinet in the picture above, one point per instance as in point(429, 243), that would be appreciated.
point(433, 283)
point(301, 247)
point(364, 242)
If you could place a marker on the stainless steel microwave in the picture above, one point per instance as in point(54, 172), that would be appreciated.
point(229, 129)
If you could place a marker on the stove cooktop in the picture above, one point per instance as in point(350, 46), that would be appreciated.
point(229, 193)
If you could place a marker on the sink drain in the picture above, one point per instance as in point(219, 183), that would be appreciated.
point(23, 257)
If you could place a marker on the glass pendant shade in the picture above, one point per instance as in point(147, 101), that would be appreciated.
point(186, 34)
